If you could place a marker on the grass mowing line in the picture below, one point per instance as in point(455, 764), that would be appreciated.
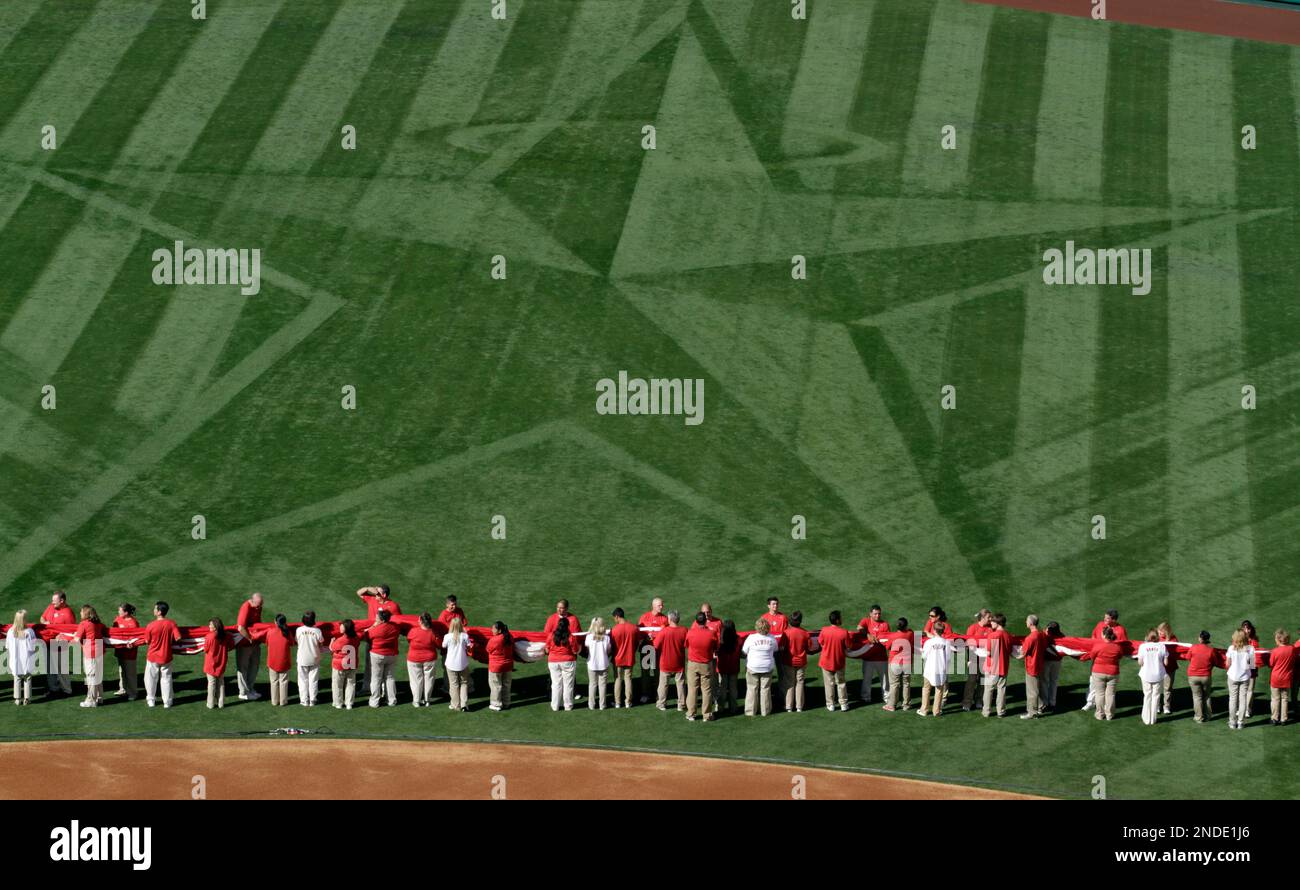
point(964, 781)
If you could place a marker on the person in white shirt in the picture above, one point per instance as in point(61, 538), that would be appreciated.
point(1241, 661)
point(598, 644)
point(760, 660)
point(936, 662)
point(20, 643)
point(309, 640)
point(457, 643)
point(1151, 656)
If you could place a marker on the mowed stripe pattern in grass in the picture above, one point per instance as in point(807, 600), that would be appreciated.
point(475, 394)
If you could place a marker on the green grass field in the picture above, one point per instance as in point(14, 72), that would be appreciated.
point(475, 397)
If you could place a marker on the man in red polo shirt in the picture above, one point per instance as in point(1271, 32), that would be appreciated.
point(58, 666)
point(701, 647)
point(792, 662)
point(626, 638)
point(974, 663)
point(1033, 651)
point(375, 598)
point(670, 652)
point(875, 662)
point(159, 636)
point(715, 625)
point(649, 669)
point(1111, 620)
point(998, 664)
point(834, 642)
point(248, 654)
point(776, 620)
point(383, 636)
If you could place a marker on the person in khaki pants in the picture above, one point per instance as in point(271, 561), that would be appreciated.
point(501, 665)
point(1105, 657)
point(900, 669)
point(834, 642)
point(216, 653)
point(701, 646)
point(1033, 651)
point(760, 661)
point(728, 667)
point(997, 642)
point(343, 665)
point(458, 645)
point(936, 662)
point(974, 663)
point(626, 639)
point(792, 662)
point(670, 650)
point(1201, 660)
point(598, 646)
point(1280, 662)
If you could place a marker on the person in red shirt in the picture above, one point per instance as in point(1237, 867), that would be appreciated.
point(216, 649)
point(423, 642)
point(279, 640)
point(701, 647)
point(776, 620)
point(344, 652)
point(834, 642)
point(159, 636)
point(655, 618)
point(90, 634)
point(997, 664)
point(1109, 620)
point(562, 650)
point(714, 624)
point(626, 638)
point(58, 670)
point(128, 670)
point(974, 663)
point(1033, 651)
point(501, 665)
point(248, 653)
point(670, 652)
point(562, 613)
point(728, 667)
point(375, 598)
point(792, 662)
point(383, 636)
point(1201, 660)
point(875, 662)
point(1105, 656)
point(901, 648)
point(1166, 635)
point(936, 614)
point(1281, 660)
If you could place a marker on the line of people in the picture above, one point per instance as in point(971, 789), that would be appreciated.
point(698, 660)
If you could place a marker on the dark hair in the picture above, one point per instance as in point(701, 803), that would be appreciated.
point(1000, 619)
point(701, 619)
point(162, 608)
point(1108, 634)
point(1205, 636)
point(349, 629)
point(618, 612)
point(796, 618)
point(1113, 614)
point(773, 599)
point(61, 594)
point(938, 611)
point(938, 627)
point(451, 598)
point(426, 619)
point(383, 615)
point(1249, 629)
point(1054, 630)
point(283, 623)
point(500, 627)
point(875, 608)
point(127, 608)
point(566, 602)
point(729, 639)
point(560, 636)
point(834, 617)
point(902, 624)
point(385, 589)
point(220, 625)
point(309, 618)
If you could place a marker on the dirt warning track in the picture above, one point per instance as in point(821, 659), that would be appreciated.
point(323, 769)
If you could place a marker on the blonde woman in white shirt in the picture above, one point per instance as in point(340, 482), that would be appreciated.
point(1151, 656)
point(20, 642)
point(457, 643)
point(309, 640)
point(760, 660)
point(1241, 661)
point(598, 644)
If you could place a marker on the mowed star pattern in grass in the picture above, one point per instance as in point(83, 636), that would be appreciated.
point(522, 138)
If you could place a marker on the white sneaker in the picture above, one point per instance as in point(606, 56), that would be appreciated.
point(1087, 706)
point(243, 697)
point(151, 703)
point(844, 707)
point(89, 704)
point(831, 708)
